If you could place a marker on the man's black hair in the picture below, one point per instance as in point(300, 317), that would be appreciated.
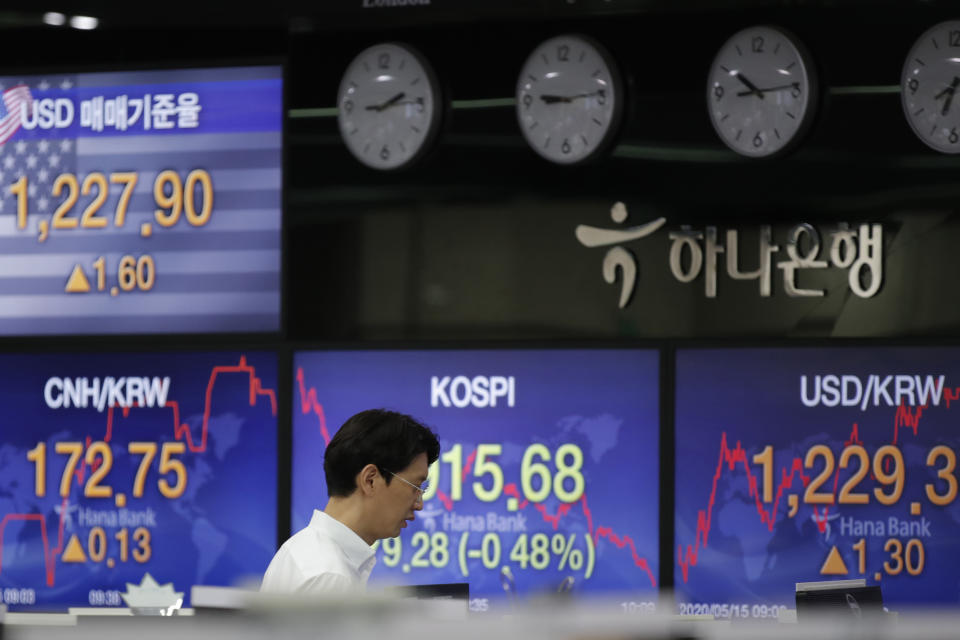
point(387, 439)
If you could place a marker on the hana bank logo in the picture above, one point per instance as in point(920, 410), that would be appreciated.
point(708, 251)
point(618, 257)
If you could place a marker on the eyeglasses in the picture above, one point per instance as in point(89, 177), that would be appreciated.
point(422, 489)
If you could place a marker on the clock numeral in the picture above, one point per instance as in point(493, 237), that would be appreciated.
point(527, 100)
point(383, 61)
point(913, 85)
point(601, 97)
point(756, 44)
point(954, 136)
point(795, 91)
point(757, 141)
point(348, 106)
point(565, 147)
point(718, 92)
point(385, 153)
point(563, 53)
point(955, 38)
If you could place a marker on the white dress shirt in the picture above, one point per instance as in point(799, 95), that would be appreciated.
point(325, 557)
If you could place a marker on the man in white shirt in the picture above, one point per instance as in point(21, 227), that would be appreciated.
point(375, 466)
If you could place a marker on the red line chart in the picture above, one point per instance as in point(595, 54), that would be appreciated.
point(309, 403)
point(181, 431)
point(905, 416)
point(596, 533)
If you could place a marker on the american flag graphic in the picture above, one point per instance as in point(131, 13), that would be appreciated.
point(219, 276)
point(10, 110)
point(39, 159)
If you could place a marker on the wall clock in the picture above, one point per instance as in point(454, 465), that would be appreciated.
point(931, 76)
point(761, 92)
point(569, 99)
point(389, 106)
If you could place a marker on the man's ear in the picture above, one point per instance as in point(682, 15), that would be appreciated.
point(367, 479)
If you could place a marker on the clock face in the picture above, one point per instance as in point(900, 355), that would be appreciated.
point(569, 97)
point(761, 92)
point(931, 77)
point(389, 106)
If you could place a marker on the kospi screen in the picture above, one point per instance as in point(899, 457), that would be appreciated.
point(141, 202)
point(117, 465)
point(548, 473)
point(810, 464)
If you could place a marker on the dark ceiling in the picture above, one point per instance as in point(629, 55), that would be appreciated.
point(328, 15)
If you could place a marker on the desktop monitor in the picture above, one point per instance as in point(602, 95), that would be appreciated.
point(115, 465)
point(548, 472)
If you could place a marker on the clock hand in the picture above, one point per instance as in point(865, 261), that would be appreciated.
point(598, 92)
point(780, 87)
point(948, 92)
point(386, 105)
point(552, 99)
point(749, 85)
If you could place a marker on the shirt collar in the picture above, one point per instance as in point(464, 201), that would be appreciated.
point(358, 552)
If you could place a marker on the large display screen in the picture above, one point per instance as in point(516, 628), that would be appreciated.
point(141, 202)
point(548, 474)
point(796, 465)
point(117, 465)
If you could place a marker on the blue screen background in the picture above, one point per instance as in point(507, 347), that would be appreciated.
point(220, 531)
point(606, 402)
point(752, 398)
